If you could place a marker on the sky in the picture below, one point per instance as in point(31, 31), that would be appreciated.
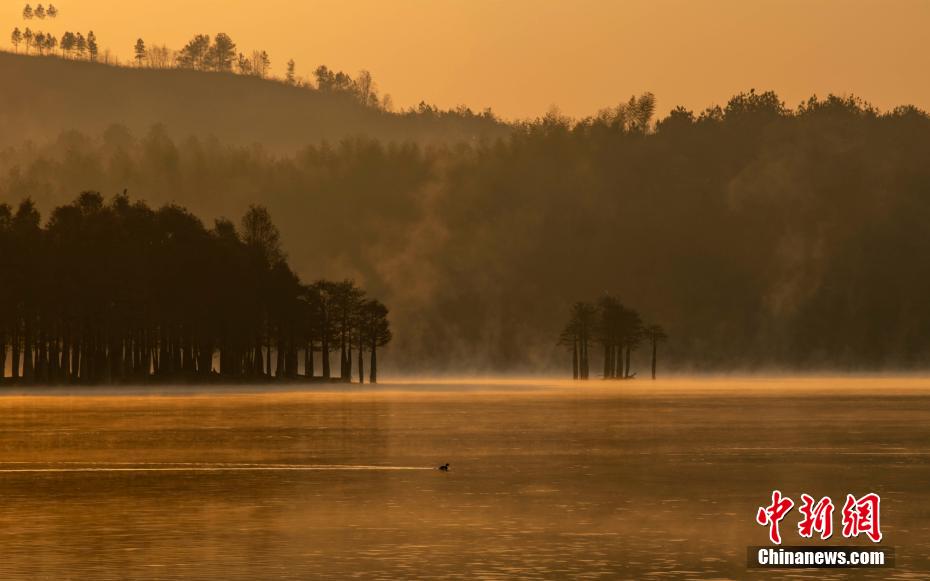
point(524, 57)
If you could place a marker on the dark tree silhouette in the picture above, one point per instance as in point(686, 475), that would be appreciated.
point(52, 11)
point(656, 334)
point(376, 332)
point(577, 335)
point(118, 292)
point(221, 55)
point(40, 12)
point(140, 52)
point(28, 13)
point(618, 329)
point(16, 38)
point(92, 48)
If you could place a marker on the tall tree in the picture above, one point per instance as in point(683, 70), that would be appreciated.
point(222, 54)
point(656, 335)
point(92, 48)
point(40, 12)
point(52, 11)
point(289, 76)
point(28, 13)
point(140, 52)
point(16, 38)
point(376, 331)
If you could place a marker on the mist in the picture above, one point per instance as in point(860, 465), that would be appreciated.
point(761, 237)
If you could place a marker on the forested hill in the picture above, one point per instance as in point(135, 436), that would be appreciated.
point(42, 96)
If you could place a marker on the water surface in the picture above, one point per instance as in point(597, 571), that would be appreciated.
point(631, 480)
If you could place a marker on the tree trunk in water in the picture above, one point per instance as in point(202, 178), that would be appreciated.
point(2, 353)
point(14, 353)
point(324, 353)
point(653, 359)
point(575, 359)
point(373, 364)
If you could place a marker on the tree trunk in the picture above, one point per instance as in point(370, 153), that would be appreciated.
point(575, 359)
point(653, 359)
point(627, 372)
point(324, 353)
point(373, 364)
point(361, 364)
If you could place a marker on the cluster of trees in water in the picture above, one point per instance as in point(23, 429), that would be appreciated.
point(761, 236)
point(618, 329)
point(120, 292)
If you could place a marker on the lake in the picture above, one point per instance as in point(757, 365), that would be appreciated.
point(549, 479)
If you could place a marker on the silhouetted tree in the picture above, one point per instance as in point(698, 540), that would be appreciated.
point(289, 76)
point(28, 37)
point(578, 331)
point(92, 48)
point(40, 12)
point(376, 332)
point(194, 53)
point(656, 335)
point(52, 11)
point(28, 12)
point(116, 292)
point(140, 52)
point(221, 55)
point(16, 38)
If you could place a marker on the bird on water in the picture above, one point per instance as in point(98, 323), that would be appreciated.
point(444, 467)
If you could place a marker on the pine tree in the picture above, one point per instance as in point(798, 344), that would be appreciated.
point(140, 51)
point(28, 13)
point(92, 48)
point(40, 12)
point(290, 72)
point(16, 38)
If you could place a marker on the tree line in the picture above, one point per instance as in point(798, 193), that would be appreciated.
point(762, 236)
point(618, 329)
point(117, 292)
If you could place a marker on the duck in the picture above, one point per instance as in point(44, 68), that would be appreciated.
point(444, 467)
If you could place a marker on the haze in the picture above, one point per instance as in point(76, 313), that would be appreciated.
point(521, 57)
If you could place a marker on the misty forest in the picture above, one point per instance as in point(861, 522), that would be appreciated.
point(118, 292)
point(759, 235)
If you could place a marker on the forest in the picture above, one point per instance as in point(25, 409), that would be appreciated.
point(117, 292)
point(761, 236)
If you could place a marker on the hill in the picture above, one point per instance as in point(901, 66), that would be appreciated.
point(40, 97)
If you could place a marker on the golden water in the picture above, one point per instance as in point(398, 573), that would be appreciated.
point(634, 480)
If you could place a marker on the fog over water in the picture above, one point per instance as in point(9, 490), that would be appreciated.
point(549, 478)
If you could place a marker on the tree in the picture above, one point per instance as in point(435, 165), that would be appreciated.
point(261, 63)
point(289, 77)
point(140, 52)
point(80, 44)
point(222, 54)
point(92, 45)
point(244, 65)
point(16, 38)
point(68, 42)
point(656, 334)
point(28, 37)
point(194, 53)
point(577, 333)
point(52, 11)
point(376, 331)
point(40, 12)
point(28, 13)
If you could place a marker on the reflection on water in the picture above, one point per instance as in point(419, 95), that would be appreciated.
point(632, 480)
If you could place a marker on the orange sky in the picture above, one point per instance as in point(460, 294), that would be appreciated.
point(523, 56)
